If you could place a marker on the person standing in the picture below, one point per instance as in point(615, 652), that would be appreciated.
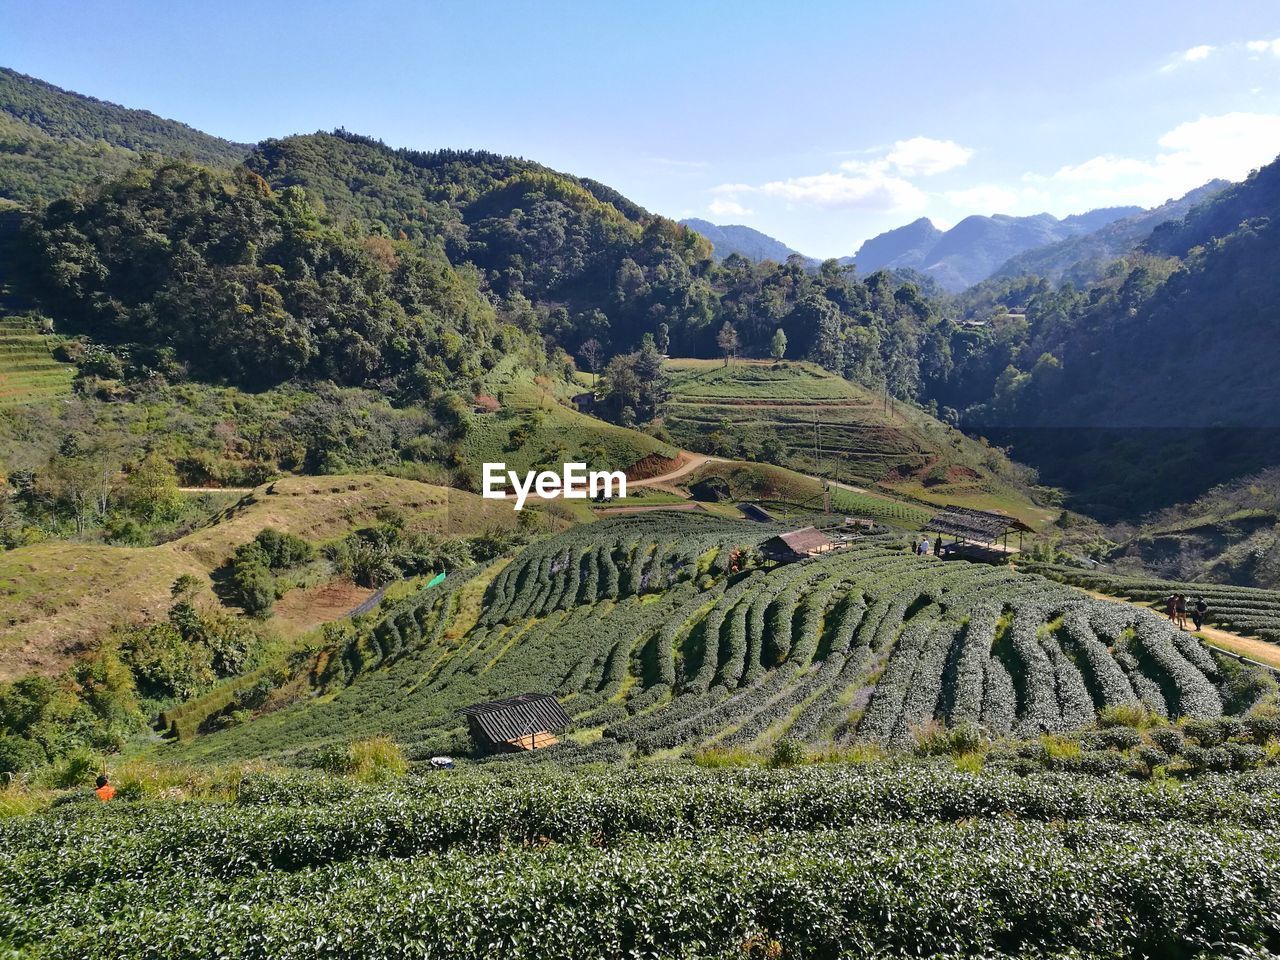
point(937, 546)
point(1182, 611)
point(1171, 607)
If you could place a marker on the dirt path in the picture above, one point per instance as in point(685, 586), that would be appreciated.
point(617, 511)
point(216, 489)
point(692, 461)
point(1250, 647)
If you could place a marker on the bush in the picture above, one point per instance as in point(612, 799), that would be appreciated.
point(78, 769)
point(1262, 730)
point(1214, 733)
point(1169, 739)
point(1113, 738)
point(787, 753)
point(372, 760)
point(18, 754)
point(283, 550)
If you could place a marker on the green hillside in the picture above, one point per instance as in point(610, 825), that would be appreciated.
point(53, 140)
point(800, 416)
point(1145, 390)
point(653, 642)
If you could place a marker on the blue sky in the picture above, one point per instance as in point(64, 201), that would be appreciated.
point(821, 123)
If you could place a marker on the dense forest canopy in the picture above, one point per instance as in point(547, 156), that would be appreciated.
point(219, 274)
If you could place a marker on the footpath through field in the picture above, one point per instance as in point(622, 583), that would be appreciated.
point(1251, 648)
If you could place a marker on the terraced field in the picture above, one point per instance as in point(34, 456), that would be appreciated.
point(801, 405)
point(1243, 609)
point(28, 372)
point(653, 642)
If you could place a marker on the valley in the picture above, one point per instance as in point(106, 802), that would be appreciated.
point(877, 656)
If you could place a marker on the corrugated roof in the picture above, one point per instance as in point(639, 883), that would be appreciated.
point(504, 720)
point(985, 526)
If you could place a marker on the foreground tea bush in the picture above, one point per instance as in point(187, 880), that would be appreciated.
point(898, 860)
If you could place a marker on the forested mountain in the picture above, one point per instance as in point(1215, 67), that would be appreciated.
point(1082, 259)
point(744, 241)
point(1152, 386)
point(905, 247)
point(52, 140)
point(972, 250)
point(215, 273)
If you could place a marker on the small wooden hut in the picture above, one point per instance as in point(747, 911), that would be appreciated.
point(528, 721)
point(796, 545)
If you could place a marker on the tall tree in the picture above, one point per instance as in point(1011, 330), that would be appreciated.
point(664, 339)
point(727, 340)
point(592, 353)
point(778, 346)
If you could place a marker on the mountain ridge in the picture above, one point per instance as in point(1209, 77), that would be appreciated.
point(728, 239)
point(971, 250)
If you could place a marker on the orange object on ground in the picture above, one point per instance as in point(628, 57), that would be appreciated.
point(105, 792)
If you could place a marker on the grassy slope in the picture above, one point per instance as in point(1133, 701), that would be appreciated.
point(58, 596)
point(863, 441)
point(28, 372)
point(556, 432)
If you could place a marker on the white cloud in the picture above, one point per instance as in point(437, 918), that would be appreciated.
point(1193, 55)
point(879, 184)
point(866, 191)
point(1264, 46)
point(916, 157)
point(727, 207)
point(922, 156)
point(1227, 146)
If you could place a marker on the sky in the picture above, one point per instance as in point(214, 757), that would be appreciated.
point(821, 123)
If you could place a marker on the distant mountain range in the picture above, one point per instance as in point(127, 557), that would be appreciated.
point(975, 247)
point(1081, 259)
point(744, 241)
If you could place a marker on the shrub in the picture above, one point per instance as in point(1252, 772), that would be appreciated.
point(18, 754)
point(373, 759)
point(1262, 729)
point(1214, 733)
point(787, 753)
point(1113, 738)
point(1169, 739)
point(78, 769)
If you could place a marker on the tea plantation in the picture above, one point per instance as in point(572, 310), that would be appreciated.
point(1012, 768)
point(664, 631)
point(842, 861)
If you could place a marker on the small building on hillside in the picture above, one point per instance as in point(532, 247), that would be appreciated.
point(528, 721)
point(796, 545)
point(979, 534)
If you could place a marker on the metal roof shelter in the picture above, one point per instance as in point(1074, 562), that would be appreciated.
point(524, 722)
point(976, 526)
point(796, 544)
